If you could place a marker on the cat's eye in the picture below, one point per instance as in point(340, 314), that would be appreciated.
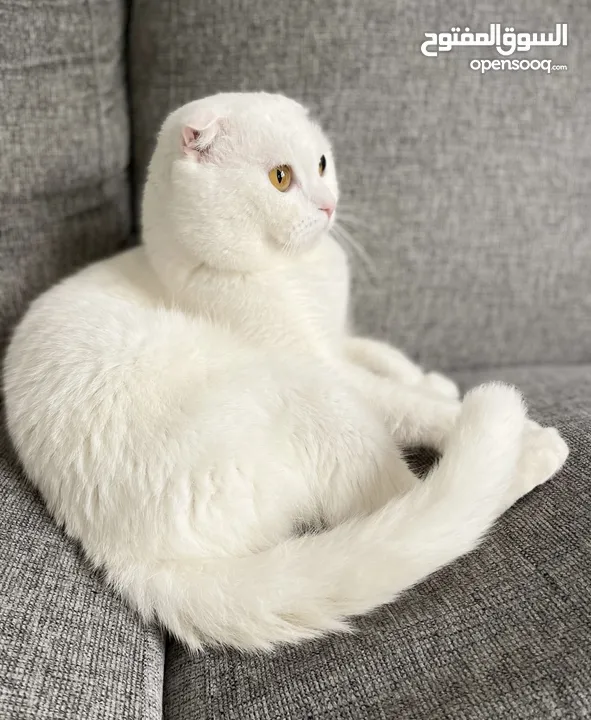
point(280, 177)
point(322, 165)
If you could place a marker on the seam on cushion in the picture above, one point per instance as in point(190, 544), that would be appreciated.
point(128, 76)
point(27, 222)
point(152, 712)
point(172, 19)
point(519, 366)
point(107, 180)
point(99, 103)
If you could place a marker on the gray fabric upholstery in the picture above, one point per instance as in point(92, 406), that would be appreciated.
point(70, 649)
point(503, 633)
point(64, 137)
point(475, 189)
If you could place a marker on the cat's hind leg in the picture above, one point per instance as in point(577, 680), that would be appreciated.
point(357, 492)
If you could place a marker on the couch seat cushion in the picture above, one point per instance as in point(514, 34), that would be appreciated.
point(70, 649)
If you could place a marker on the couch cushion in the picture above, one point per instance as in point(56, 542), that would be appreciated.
point(64, 138)
point(474, 188)
point(502, 633)
point(69, 647)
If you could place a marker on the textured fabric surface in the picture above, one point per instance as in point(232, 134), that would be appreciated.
point(64, 138)
point(474, 189)
point(69, 647)
point(502, 633)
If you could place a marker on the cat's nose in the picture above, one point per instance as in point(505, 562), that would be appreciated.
point(329, 210)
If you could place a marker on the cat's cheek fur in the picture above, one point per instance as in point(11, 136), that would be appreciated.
point(307, 232)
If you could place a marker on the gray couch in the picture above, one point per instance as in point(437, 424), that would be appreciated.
point(473, 196)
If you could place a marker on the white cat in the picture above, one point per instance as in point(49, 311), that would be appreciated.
point(184, 405)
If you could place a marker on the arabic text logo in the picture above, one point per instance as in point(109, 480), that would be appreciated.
point(506, 43)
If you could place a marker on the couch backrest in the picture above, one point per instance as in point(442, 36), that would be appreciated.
point(64, 138)
point(475, 189)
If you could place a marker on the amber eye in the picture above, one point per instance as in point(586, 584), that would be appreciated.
point(280, 177)
point(322, 165)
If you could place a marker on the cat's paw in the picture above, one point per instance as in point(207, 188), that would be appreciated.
point(496, 406)
point(495, 409)
point(543, 454)
point(440, 385)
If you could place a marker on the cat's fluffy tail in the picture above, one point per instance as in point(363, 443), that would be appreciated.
point(309, 585)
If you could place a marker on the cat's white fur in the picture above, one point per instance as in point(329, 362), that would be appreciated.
point(183, 406)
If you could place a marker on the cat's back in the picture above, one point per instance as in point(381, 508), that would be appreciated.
point(85, 318)
point(88, 297)
point(102, 349)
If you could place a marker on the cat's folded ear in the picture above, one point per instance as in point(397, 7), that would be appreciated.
point(199, 134)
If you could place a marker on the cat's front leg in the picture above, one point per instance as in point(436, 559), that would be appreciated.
point(413, 414)
point(389, 362)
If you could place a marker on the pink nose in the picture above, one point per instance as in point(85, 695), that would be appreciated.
point(329, 210)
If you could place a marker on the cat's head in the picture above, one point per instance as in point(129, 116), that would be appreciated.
point(240, 180)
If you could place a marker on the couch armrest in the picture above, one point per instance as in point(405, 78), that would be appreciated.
point(69, 647)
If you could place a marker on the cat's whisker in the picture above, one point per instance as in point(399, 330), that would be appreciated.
point(351, 219)
point(345, 237)
point(348, 218)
